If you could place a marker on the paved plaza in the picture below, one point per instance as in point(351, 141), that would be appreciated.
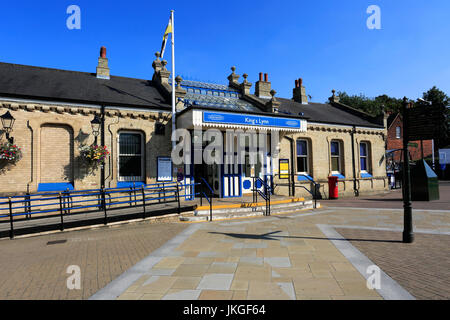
point(311, 254)
point(295, 256)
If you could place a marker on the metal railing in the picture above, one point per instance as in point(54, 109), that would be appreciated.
point(265, 195)
point(68, 203)
point(292, 184)
point(202, 194)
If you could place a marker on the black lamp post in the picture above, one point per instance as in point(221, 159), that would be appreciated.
point(96, 124)
point(408, 233)
point(8, 123)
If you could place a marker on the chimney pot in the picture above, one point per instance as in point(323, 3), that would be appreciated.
point(263, 86)
point(299, 93)
point(102, 67)
point(103, 52)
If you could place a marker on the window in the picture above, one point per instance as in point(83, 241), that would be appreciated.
point(131, 160)
point(302, 156)
point(398, 132)
point(364, 156)
point(335, 151)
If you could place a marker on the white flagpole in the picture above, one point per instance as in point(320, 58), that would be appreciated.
point(173, 78)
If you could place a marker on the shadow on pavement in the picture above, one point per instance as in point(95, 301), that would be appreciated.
point(271, 236)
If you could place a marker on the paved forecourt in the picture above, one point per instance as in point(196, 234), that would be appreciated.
point(295, 256)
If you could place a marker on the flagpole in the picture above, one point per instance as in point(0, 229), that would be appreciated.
point(173, 79)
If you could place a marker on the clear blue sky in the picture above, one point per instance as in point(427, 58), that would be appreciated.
point(326, 43)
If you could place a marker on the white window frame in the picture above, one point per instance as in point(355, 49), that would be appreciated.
point(367, 156)
point(398, 132)
point(297, 156)
point(131, 179)
point(339, 156)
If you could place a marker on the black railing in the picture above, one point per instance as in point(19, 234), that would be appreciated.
point(202, 194)
point(265, 194)
point(314, 192)
point(62, 204)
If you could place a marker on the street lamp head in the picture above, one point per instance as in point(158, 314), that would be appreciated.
point(7, 121)
point(95, 124)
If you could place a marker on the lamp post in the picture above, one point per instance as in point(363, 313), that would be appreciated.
point(408, 234)
point(98, 126)
point(8, 123)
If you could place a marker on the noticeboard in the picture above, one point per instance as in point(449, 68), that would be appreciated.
point(164, 169)
point(284, 168)
point(423, 123)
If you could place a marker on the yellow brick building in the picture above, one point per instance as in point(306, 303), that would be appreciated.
point(54, 109)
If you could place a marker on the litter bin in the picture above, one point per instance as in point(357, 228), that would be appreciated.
point(333, 187)
point(424, 183)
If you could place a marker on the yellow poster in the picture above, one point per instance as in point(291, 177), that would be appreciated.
point(284, 169)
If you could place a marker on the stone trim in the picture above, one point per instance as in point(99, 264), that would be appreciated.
point(145, 115)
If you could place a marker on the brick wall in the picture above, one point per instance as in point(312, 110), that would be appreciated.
point(319, 137)
point(50, 137)
point(394, 143)
point(41, 129)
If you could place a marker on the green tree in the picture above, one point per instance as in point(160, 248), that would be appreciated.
point(437, 99)
point(373, 106)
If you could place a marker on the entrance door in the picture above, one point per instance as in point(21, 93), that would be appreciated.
point(231, 169)
point(231, 180)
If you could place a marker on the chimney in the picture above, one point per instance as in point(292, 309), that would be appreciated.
point(102, 67)
point(299, 92)
point(263, 87)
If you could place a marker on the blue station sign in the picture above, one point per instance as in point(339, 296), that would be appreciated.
point(251, 120)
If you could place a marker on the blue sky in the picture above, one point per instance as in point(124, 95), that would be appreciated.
point(327, 43)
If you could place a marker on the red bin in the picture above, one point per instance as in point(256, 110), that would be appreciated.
point(333, 187)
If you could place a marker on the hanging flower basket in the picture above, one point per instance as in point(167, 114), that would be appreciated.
point(94, 155)
point(10, 153)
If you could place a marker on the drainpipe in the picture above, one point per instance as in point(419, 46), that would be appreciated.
point(31, 158)
point(111, 154)
point(355, 189)
point(291, 140)
point(102, 170)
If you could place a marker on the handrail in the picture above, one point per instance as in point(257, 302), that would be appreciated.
point(87, 201)
point(207, 198)
point(266, 195)
point(292, 175)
